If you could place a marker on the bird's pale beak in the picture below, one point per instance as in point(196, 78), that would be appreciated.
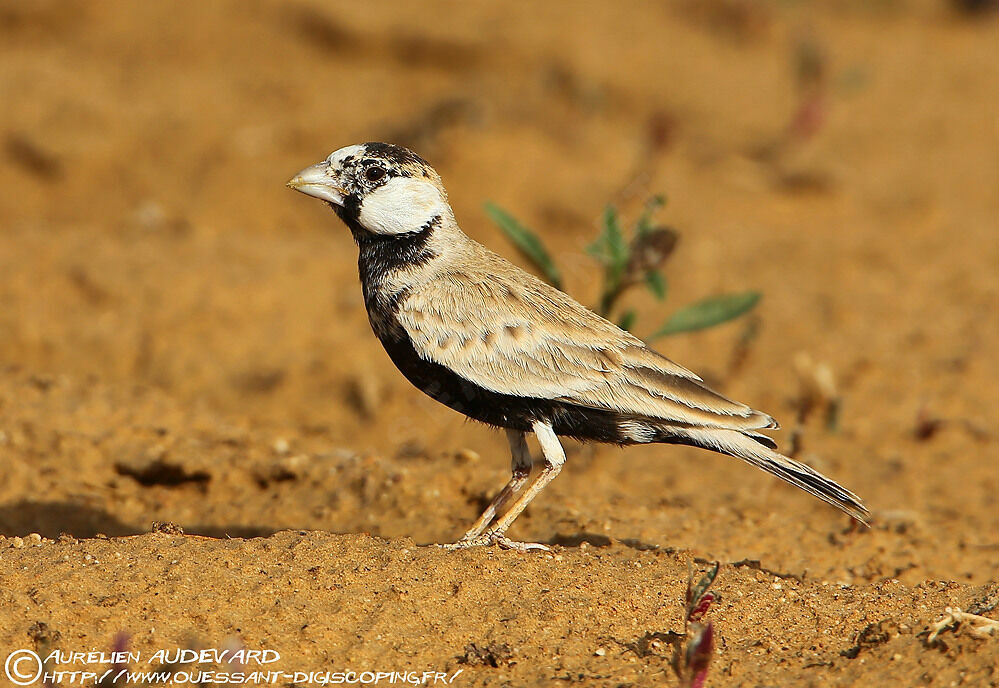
point(317, 181)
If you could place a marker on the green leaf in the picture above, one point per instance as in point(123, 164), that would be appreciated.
point(527, 241)
point(613, 251)
point(617, 247)
point(656, 283)
point(597, 251)
point(627, 319)
point(708, 313)
point(644, 223)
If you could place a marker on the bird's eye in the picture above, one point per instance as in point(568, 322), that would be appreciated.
point(373, 174)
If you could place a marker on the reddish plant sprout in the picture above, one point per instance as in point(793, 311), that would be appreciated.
point(693, 657)
point(120, 645)
point(697, 612)
point(698, 654)
point(236, 646)
point(811, 69)
point(698, 597)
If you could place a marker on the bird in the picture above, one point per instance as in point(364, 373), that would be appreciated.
point(501, 346)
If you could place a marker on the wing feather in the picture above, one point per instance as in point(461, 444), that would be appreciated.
point(511, 333)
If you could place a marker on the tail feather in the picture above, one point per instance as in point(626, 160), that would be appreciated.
point(749, 448)
point(765, 440)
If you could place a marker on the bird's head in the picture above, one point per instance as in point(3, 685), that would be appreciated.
point(378, 188)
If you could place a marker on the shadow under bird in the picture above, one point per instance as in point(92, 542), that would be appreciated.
point(501, 346)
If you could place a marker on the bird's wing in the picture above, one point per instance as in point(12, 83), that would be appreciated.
point(507, 331)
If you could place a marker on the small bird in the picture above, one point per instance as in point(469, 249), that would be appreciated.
point(499, 345)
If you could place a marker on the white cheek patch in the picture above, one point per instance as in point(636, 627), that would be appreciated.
point(401, 205)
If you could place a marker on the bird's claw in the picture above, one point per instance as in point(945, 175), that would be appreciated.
point(494, 539)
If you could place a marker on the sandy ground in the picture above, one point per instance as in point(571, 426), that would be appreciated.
point(182, 339)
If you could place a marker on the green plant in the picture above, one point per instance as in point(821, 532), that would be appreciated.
point(630, 261)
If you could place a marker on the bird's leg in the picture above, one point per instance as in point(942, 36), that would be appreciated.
point(554, 457)
point(520, 469)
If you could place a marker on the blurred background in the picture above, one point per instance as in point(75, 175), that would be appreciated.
point(182, 338)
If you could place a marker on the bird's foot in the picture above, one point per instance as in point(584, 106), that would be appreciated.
point(507, 543)
point(494, 538)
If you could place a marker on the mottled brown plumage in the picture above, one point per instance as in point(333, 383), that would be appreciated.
point(529, 339)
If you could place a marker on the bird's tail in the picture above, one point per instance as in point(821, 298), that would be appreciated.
point(751, 450)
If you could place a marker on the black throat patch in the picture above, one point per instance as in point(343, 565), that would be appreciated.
point(379, 256)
